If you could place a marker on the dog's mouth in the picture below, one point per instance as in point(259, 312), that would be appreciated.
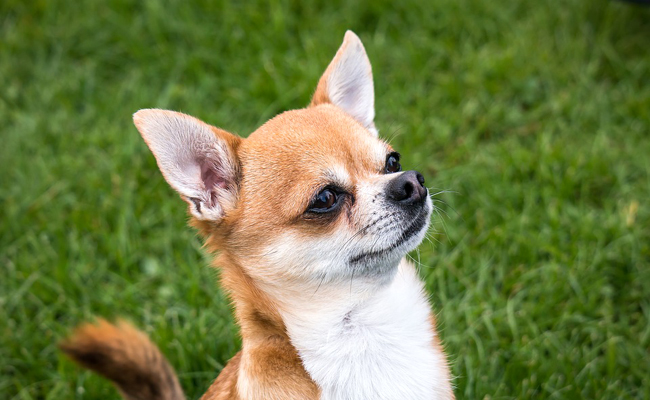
point(419, 222)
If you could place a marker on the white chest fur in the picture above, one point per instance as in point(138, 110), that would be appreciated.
point(381, 348)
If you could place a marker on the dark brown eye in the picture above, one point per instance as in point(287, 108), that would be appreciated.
point(392, 163)
point(324, 201)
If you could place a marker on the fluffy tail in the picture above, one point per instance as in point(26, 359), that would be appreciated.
point(127, 357)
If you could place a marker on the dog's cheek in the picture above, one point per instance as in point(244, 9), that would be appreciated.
point(293, 257)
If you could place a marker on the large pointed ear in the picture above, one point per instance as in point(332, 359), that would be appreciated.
point(347, 83)
point(198, 160)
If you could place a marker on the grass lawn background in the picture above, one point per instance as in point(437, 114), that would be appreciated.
point(535, 114)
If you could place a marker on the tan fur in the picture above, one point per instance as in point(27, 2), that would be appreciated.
point(125, 356)
point(271, 365)
point(279, 167)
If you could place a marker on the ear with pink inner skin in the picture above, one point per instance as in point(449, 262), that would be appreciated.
point(347, 83)
point(199, 161)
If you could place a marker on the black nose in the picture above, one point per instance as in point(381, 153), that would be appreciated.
point(408, 188)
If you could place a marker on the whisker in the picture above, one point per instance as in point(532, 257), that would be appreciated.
point(320, 282)
point(441, 192)
point(395, 132)
point(431, 196)
point(442, 221)
point(418, 263)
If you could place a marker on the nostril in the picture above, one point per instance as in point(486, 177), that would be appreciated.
point(420, 179)
point(408, 189)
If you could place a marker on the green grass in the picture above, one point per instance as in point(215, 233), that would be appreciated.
point(535, 114)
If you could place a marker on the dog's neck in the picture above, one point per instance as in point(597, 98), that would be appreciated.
point(362, 342)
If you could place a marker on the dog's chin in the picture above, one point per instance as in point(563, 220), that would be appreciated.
point(383, 262)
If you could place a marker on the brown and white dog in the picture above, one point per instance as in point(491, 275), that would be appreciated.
point(311, 217)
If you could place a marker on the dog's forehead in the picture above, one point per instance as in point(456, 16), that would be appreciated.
point(287, 160)
point(319, 138)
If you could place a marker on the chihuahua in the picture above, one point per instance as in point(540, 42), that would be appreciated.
point(311, 217)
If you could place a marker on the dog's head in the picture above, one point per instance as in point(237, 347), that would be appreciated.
point(311, 197)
